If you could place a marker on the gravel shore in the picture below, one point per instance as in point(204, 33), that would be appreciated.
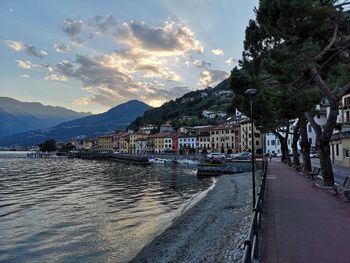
point(213, 230)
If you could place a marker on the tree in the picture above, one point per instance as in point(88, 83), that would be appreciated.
point(275, 103)
point(48, 146)
point(310, 51)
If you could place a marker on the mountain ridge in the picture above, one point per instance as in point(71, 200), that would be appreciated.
point(17, 116)
point(118, 117)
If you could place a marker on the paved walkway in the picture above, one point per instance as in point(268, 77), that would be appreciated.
point(301, 222)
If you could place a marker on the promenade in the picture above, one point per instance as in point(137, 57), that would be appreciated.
point(301, 222)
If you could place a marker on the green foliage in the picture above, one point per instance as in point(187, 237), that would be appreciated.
point(48, 146)
point(187, 110)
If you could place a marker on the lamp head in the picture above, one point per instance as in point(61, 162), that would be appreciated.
point(251, 92)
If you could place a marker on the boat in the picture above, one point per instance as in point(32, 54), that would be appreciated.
point(186, 162)
point(158, 160)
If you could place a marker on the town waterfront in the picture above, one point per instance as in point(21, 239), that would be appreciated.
point(72, 210)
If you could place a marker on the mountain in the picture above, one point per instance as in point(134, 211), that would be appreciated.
point(116, 118)
point(187, 110)
point(17, 116)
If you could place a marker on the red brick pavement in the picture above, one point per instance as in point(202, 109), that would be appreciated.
point(301, 222)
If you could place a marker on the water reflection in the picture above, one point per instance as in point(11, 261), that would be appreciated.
point(69, 210)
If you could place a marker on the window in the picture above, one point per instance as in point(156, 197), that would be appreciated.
point(310, 128)
point(272, 142)
point(256, 143)
point(310, 140)
point(337, 149)
point(268, 142)
point(346, 153)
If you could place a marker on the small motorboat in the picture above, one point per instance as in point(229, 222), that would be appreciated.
point(158, 160)
point(186, 162)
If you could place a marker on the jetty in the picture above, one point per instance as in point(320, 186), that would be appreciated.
point(107, 155)
point(228, 167)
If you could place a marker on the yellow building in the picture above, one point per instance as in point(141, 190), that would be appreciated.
point(105, 142)
point(225, 138)
point(124, 143)
point(158, 142)
point(133, 139)
point(246, 137)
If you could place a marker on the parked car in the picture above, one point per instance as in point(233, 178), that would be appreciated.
point(313, 155)
point(216, 155)
point(242, 156)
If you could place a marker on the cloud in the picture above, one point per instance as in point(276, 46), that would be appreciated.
point(29, 49)
point(217, 51)
point(209, 78)
point(101, 25)
point(15, 45)
point(140, 70)
point(231, 61)
point(198, 63)
point(61, 48)
point(170, 39)
point(25, 64)
point(73, 28)
point(82, 101)
point(25, 76)
point(55, 77)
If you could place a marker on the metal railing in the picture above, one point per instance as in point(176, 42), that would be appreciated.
point(251, 244)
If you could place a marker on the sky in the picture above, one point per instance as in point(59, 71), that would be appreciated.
point(93, 55)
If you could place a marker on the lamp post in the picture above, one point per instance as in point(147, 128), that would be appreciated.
point(251, 93)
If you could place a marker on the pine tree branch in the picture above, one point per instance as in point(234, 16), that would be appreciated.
point(323, 86)
point(313, 123)
point(330, 44)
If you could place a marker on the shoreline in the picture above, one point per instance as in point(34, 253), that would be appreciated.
point(212, 229)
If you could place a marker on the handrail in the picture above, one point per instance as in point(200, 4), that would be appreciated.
point(251, 244)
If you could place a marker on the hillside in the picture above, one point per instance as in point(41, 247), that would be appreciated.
point(116, 118)
point(17, 116)
point(187, 110)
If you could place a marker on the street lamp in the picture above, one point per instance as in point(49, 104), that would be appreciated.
point(251, 93)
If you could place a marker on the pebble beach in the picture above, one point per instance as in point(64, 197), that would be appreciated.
point(213, 230)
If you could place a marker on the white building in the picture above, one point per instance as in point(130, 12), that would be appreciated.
point(273, 145)
point(168, 143)
point(141, 146)
point(187, 141)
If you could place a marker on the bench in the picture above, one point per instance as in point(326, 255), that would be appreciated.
point(315, 171)
point(299, 168)
point(343, 189)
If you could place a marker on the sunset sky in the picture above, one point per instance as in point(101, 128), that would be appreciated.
point(94, 55)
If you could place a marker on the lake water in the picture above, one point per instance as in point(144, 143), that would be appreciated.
point(71, 210)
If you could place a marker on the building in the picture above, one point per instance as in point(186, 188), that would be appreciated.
point(148, 129)
point(187, 142)
point(141, 146)
point(166, 128)
point(168, 143)
point(203, 139)
point(340, 141)
point(124, 143)
point(213, 114)
point(157, 142)
point(225, 138)
point(88, 144)
point(246, 137)
point(105, 142)
point(133, 139)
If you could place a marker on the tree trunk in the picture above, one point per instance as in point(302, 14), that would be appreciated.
point(284, 147)
point(296, 135)
point(304, 143)
point(326, 163)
